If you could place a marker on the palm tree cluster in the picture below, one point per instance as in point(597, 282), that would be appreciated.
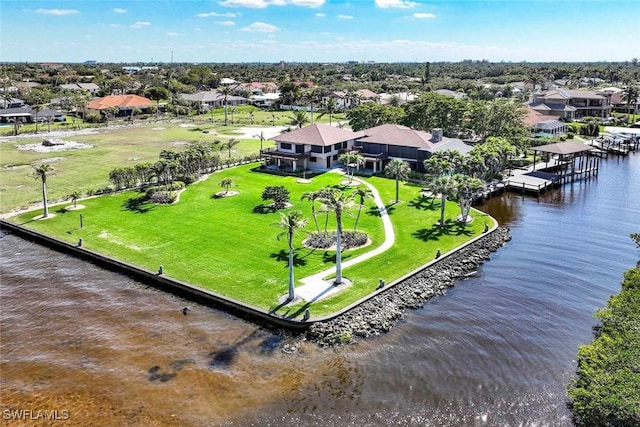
point(460, 178)
point(185, 166)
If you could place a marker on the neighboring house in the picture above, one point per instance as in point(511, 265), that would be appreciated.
point(125, 104)
point(259, 88)
point(11, 103)
point(348, 100)
point(210, 99)
point(225, 81)
point(451, 93)
point(312, 147)
point(29, 115)
point(92, 88)
point(383, 143)
point(401, 97)
point(619, 103)
point(571, 104)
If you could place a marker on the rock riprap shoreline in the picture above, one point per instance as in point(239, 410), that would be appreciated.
point(378, 314)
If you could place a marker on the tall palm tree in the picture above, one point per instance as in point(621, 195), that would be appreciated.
point(330, 107)
point(41, 173)
point(225, 91)
point(361, 193)
point(262, 139)
point(312, 196)
point(337, 201)
point(311, 95)
point(398, 170)
point(290, 223)
point(631, 94)
point(444, 186)
point(299, 118)
point(232, 142)
point(352, 161)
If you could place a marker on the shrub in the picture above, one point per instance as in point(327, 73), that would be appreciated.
point(163, 197)
point(570, 135)
point(324, 240)
point(606, 391)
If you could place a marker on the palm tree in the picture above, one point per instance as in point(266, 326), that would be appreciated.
point(41, 173)
point(444, 186)
point(74, 198)
point(352, 160)
point(312, 196)
point(362, 193)
point(261, 137)
point(330, 107)
point(299, 118)
point(226, 184)
point(398, 170)
point(337, 201)
point(291, 222)
point(630, 94)
point(225, 91)
point(311, 95)
point(232, 142)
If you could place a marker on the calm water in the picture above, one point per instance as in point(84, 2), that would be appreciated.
point(496, 350)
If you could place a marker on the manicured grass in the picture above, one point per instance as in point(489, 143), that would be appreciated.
point(225, 245)
point(88, 169)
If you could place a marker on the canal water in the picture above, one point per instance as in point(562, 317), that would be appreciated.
point(496, 350)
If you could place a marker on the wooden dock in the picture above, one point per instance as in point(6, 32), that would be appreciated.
point(564, 162)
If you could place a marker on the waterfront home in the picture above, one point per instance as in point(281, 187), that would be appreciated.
point(319, 146)
point(571, 104)
point(312, 147)
point(381, 144)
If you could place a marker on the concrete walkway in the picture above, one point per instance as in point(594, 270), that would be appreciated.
point(316, 287)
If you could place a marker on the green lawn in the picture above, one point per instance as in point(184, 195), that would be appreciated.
point(225, 245)
point(87, 169)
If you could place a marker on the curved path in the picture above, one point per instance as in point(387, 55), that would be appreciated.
point(315, 287)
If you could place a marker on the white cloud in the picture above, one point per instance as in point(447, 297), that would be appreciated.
point(261, 27)
point(114, 25)
point(57, 12)
point(172, 34)
point(261, 4)
point(320, 15)
point(215, 14)
point(345, 17)
point(400, 4)
point(140, 24)
point(424, 15)
point(226, 23)
point(119, 10)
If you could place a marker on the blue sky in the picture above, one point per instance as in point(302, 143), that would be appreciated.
point(318, 30)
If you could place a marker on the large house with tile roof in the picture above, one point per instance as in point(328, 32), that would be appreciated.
point(387, 142)
point(319, 146)
point(125, 103)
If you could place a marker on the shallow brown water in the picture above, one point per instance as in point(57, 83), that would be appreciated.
point(497, 349)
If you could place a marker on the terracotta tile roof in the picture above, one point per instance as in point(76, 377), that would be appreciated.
point(317, 134)
point(122, 101)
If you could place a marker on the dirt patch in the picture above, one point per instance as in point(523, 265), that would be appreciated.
point(58, 145)
point(14, 167)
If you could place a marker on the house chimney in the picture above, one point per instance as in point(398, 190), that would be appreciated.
point(436, 134)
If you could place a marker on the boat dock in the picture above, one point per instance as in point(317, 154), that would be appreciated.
point(562, 162)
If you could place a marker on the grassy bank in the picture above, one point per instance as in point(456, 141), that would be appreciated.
point(229, 244)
